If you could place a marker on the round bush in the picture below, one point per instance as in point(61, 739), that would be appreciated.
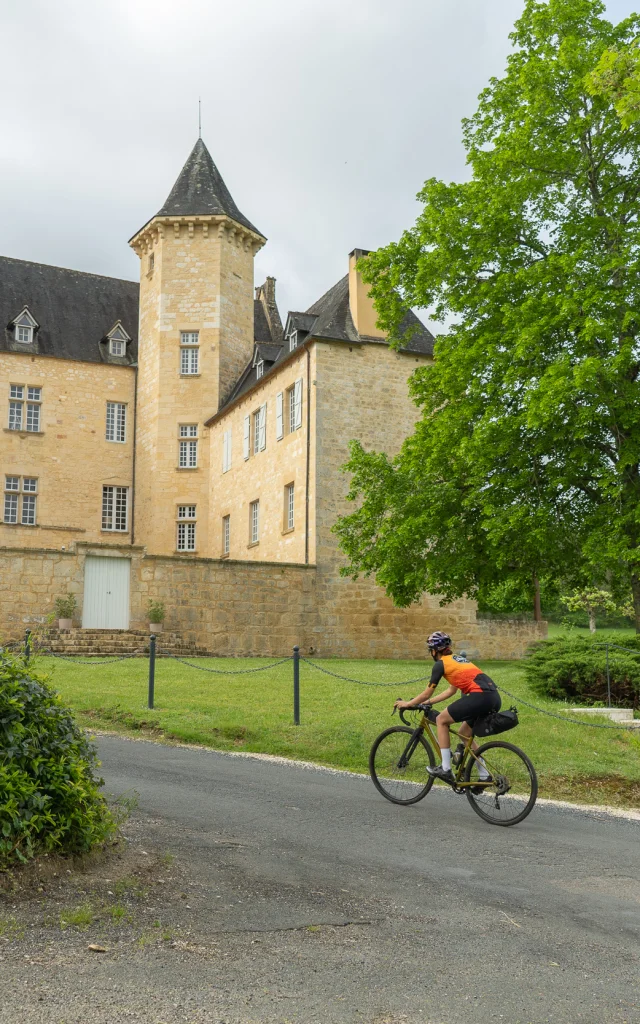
point(568, 668)
point(49, 792)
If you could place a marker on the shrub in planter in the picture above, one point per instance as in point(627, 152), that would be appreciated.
point(65, 607)
point(575, 669)
point(156, 612)
point(49, 792)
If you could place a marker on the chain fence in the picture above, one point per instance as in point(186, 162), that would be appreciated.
point(363, 682)
point(223, 671)
point(30, 647)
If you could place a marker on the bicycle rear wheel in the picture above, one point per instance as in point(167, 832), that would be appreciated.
point(514, 784)
point(398, 765)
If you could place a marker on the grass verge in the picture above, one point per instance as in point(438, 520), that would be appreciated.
point(253, 712)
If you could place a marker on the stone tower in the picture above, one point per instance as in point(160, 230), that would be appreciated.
point(196, 336)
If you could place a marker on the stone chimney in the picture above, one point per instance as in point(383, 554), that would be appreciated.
point(266, 294)
point(363, 311)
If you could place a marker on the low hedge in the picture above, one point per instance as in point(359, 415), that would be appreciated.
point(49, 791)
point(575, 668)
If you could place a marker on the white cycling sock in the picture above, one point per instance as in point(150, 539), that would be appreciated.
point(446, 758)
point(483, 771)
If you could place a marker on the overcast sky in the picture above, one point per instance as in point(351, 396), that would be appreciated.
point(324, 117)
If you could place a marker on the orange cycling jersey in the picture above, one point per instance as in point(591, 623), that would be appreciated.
point(464, 675)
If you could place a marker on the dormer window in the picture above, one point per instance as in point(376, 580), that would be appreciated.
point(23, 327)
point(293, 340)
point(118, 338)
point(259, 369)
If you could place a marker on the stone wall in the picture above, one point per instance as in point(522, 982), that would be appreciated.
point(70, 456)
point(264, 475)
point(252, 608)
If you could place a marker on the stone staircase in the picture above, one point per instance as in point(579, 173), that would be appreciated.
point(96, 643)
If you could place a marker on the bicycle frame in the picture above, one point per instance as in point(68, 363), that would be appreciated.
point(458, 770)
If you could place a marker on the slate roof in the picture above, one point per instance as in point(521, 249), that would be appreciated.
point(334, 321)
point(74, 311)
point(329, 318)
point(201, 191)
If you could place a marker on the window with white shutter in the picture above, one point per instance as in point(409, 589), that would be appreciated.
point(297, 391)
point(263, 427)
point(279, 417)
point(226, 451)
point(246, 443)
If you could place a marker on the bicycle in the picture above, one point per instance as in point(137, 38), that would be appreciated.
point(400, 756)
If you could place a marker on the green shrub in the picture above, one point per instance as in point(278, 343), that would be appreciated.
point(575, 668)
point(156, 611)
point(49, 792)
point(65, 606)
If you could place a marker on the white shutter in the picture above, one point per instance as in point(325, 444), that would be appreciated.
point(298, 404)
point(247, 437)
point(263, 427)
point(226, 451)
point(279, 417)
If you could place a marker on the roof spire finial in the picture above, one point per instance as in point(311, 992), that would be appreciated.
point(199, 118)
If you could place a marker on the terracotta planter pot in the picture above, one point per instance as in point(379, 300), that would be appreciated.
point(65, 623)
point(155, 627)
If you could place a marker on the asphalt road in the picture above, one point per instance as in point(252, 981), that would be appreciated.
point(301, 895)
point(535, 923)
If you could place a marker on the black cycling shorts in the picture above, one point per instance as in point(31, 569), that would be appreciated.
point(474, 705)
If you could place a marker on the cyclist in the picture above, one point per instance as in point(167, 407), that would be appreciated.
point(479, 697)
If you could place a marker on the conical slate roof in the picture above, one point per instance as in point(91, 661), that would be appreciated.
point(200, 191)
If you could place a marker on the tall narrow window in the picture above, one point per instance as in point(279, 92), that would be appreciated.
point(279, 416)
point(188, 455)
point(11, 508)
point(288, 506)
point(291, 394)
point(115, 508)
point(254, 522)
point(186, 529)
point(116, 421)
point(34, 400)
point(226, 451)
point(189, 341)
point(293, 340)
point(259, 369)
point(246, 442)
point(226, 534)
point(186, 537)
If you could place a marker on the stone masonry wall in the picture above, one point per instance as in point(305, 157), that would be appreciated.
point(70, 456)
point(249, 608)
point(361, 392)
point(264, 475)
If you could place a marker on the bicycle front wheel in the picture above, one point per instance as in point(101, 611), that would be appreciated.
point(398, 765)
point(513, 788)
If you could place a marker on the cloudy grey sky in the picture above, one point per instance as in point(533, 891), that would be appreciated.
point(324, 117)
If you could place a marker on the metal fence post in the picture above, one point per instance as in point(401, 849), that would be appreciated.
point(608, 677)
point(152, 669)
point(296, 685)
point(27, 645)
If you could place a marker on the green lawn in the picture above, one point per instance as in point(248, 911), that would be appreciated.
point(613, 636)
point(339, 719)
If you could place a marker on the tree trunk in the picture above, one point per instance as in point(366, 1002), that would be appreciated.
point(537, 607)
point(592, 620)
point(635, 589)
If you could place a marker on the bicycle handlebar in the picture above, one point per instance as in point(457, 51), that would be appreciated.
point(418, 707)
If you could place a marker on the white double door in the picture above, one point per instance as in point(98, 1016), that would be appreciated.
point(106, 593)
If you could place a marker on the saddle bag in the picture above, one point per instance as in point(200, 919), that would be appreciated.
point(495, 722)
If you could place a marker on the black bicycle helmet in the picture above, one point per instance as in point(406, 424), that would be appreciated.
point(438, 641)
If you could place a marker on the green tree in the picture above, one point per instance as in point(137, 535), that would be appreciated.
point(617, 78)
point(524, 463)
point(590, 600)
